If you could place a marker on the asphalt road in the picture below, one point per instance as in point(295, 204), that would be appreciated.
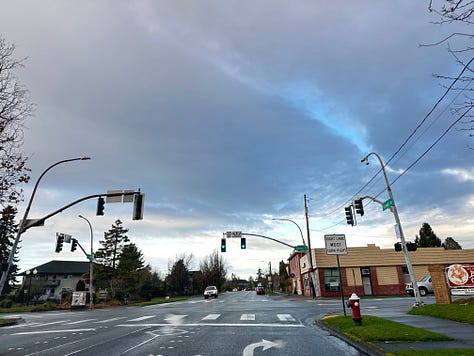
point(236, 323)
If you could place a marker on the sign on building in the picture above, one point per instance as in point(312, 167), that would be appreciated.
point(460, 279)
point(335, 244)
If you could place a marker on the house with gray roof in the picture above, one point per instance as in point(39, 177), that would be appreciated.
point(52, 279)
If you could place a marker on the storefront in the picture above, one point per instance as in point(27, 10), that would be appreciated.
point(372, 271)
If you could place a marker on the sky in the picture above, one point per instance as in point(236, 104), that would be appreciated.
point(225, 114)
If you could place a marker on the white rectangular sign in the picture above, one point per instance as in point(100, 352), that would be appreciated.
point(335, 244)
point(233, 234)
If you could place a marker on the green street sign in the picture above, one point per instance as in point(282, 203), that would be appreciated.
point(387, 204)
point(301, 248)
point(90, 257)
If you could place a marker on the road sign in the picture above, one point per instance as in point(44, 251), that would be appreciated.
point(233, 234)
point(301, 248)
point(90, 257)
point(387, 204)
point(335, 244)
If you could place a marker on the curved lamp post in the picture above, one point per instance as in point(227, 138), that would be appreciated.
point(285, 219)
point(91, 265)
point(399, 228)
point(23, 222)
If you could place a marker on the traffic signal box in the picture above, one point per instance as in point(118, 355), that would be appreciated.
point(74, 245)
point(243, 243)
point(59, 243)
point(349, 215)
point(359, 208)
point(223, 245)
point(100, 206)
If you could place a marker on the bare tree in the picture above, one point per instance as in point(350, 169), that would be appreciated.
point(460, 45)
point(15, 108)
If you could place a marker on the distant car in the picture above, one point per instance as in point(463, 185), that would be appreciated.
point(211, 291)
point(260, 290)
point(424, 286)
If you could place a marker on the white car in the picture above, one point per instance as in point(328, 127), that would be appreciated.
point(211, 291)
point(424, 286)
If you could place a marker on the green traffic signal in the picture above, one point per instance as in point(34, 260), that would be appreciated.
point(243, 243)
point(223, 247)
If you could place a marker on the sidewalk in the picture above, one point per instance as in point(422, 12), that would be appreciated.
point(462, 334)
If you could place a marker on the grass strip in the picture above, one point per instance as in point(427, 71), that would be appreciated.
point(443, 352)
point(159, 301)
point(374, 329)
point(462, 312)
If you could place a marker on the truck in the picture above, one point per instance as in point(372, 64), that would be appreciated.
point(424, 286)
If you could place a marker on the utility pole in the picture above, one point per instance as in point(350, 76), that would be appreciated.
point(310, 258)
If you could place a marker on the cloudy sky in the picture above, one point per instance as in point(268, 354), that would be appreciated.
point(226, 113)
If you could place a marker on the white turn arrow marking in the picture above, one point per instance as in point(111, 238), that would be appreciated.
point(248, 351)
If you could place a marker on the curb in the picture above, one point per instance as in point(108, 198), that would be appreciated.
point(364, 348)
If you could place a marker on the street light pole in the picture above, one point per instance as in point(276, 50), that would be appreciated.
point(411, 272)
point(28, 273)
point(285, 219)
point(91, 264)
point(25, 217)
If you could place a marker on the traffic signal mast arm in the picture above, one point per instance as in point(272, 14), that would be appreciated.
point(42, 220)
point(266, 237)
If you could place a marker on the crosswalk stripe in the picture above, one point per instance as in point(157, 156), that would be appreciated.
point(285, 317)
point(211, 317)
point(80, 321)
point(247, 317)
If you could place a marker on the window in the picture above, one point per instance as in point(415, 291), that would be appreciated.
point(331, 280)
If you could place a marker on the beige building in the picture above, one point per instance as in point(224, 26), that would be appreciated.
point(369, 270)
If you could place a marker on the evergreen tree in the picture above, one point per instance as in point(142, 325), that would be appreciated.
point(113, 244)
point(284, 278)
point(178, 277)
point(451, 244)
point(8, 230)
point(426, 237)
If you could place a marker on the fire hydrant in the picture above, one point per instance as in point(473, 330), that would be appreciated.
point(354, 304)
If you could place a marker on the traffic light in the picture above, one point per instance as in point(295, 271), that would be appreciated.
point(349, 216)
point(411, 246)
point(359, 208)
point(74, 245)
point(243, 243)
point(398, 246)
point(100, 206)
point(59, 242)
point(138, 203)
point(223, 241)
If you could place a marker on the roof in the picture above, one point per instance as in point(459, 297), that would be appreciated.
point(62, 267)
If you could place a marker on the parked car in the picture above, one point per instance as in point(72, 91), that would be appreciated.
point(260, 290)
point(424, 286)
point(211, 291)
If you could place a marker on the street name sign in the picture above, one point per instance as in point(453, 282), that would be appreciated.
point(387, 204)
point(335, 244)
point(233, 234)
point(301, 248)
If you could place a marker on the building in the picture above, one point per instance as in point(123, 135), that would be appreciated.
point(370, 270)
point(50, 280)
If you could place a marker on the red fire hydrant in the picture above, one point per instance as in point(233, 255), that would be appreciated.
point(354, 304)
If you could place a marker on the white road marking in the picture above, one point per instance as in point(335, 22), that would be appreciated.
point(45, 324)
point(142, 318)
point(211, 317)
point(247, 317)
point(214, 324)
point(109, 320)
point(285, 317)
point(80, 321)
point(52, 331)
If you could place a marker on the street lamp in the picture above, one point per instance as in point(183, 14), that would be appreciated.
point(28, 273)
point(23, 223)
point(398, 228)
point(91, 264)
point(285, 219)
